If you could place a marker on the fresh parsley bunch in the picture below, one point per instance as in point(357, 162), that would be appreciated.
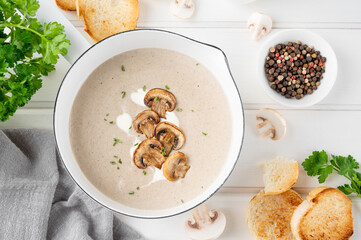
point(28, 51)
point(318, 164)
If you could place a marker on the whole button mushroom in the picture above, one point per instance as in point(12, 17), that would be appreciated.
point(182, 8)
point(148, 152)
point(271, 124)
point(160, 101)
point(175, 166)
point(259, 25)
point(144, 123)
point(205, 224)
point(170, 136)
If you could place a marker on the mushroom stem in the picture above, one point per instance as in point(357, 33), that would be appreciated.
point(151, 160)
point(181, 171)
point(160, 107)
point(201, 216)
point(261, 125)
point(147, 128)
point(270, 131)
point(168, 143)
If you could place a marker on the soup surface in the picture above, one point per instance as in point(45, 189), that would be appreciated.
point(103, 141)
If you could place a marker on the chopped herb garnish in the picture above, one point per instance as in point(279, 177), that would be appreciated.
point(166, 87)
point(144, 172)
point(130, 127)
point(179, 109)
point(112, 162)
point(136, 144)
point(118, 168)
point(120, 161)
point(192, 110)
point(105, 119)
point(123, 94)
point(205, 134)
point(197, 64)
point(138, 188)
point(123, 68)
point(115, 156)
point(156, 98)
point(144, 88)
point(116, 140)
point(163, 152)
point(182, 201)
point(111, 122)
point(107, 114)
point(131, 193)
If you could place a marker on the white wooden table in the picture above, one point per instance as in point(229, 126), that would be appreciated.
point(333, 125)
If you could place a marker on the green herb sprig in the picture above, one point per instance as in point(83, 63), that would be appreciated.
point(318, 164)
point(28, 51)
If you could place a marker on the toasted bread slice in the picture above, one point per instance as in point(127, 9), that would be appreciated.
point(325, 214)
point(280, 175)
point(269, 216)
point(104, 18)
point(68, 5)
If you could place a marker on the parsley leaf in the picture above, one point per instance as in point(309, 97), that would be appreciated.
point(346, 165)
point(314, 163)
point(28, 51)
point(318, 165)
point(346, 189)
point(324, 172)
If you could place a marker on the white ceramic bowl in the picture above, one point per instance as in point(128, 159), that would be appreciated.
point(311, 39)
point(212, 57)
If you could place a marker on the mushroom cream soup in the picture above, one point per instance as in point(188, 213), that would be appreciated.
point(103, 137)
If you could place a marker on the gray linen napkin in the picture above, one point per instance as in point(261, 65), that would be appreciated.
point(39, 200)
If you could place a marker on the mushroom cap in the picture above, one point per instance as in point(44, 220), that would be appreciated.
point(272, 120)
point(143, 117)
point(175, 166)
point(182, 8)
point(164, 127)
point(162, 94)
point(259, 24)
point(148, 153)
point(205, 224)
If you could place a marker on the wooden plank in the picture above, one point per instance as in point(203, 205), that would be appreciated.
point(30, 118)
point(207, 11)
point(334, 131)
point(243, 53)
point(232, 205)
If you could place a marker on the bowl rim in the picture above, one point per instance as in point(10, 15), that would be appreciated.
point(274, 95)
point(234, 161)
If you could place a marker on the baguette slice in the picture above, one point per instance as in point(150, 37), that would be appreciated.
point(103, 18)
point(280, 175)
point(269, 216)
point(325, 214)
point(68, 5)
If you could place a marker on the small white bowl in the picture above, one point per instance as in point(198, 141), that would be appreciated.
point(311, 39)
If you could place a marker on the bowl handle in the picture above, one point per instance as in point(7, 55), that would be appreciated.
point(49, 12)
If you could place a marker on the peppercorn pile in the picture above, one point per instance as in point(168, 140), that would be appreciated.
point(294, 69)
